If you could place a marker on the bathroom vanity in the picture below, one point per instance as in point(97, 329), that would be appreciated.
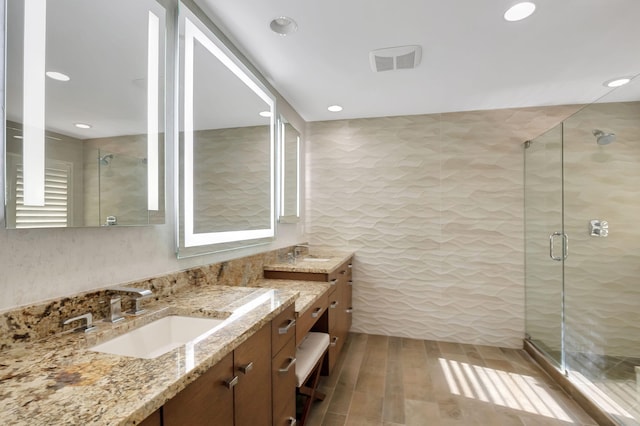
point(59, 379)
point(240, 372)
point(332, 269)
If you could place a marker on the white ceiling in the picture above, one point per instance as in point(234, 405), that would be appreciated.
point(472, 58)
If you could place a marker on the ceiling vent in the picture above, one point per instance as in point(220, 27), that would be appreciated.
point(395, 58)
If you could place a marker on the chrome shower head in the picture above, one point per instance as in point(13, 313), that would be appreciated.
point(603, 138)
point(105, 159)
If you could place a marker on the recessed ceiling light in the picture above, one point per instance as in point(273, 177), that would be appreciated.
point(335, 108)
point(265, 114)
point(55, 75)
point(283, 25)
point(82, 125)
point(617, 82)
point(519, 11)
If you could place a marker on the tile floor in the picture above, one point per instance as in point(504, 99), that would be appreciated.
point(390, 381)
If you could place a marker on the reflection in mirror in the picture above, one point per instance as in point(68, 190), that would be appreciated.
point(289, 173)
point(84, 114)
point(227, 146)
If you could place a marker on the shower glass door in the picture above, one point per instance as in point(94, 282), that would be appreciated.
point(544, 243)
point(602, 291)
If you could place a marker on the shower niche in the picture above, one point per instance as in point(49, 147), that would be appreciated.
point(582, 250)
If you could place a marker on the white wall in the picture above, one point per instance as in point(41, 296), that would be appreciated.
point(433, 207)
point(37, 265)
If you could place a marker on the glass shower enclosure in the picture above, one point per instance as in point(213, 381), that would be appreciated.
point(582, 250)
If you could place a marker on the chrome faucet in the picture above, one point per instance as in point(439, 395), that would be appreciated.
point(88, 318)
point(137, 293)
point(297, 249)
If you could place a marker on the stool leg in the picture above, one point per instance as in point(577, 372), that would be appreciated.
point(314, 384)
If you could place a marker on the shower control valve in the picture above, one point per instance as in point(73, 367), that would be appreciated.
point(599, 228)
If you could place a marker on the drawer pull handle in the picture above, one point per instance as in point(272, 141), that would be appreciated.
point(350, 266)
point(333, 282)
point(343, 272)
point(334, 341)
point(231, 382)
point(350, 282)
point(286, 328)
point(334, 304)
point(246, 368)
point(315, 313)
point(349, 310)
point(292, 362)
point(292, 421)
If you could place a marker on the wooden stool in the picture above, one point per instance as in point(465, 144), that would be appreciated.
point(309, 358)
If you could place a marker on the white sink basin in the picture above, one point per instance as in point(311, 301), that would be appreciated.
point(316, 259)
point(159, 337)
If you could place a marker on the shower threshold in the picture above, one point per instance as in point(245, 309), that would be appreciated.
point(601, 397)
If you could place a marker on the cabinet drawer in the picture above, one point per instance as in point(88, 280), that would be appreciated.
point(252, 362)
point(284, 385)
point(153, 420)
point(283, 328)
point(307, 318)
point(208, 400)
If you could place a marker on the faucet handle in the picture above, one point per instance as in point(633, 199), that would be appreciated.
point(137, 294)
point(115, 309)
point(135, 306)
point(88, 318)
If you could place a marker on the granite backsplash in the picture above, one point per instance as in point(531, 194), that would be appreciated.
point(29, 323)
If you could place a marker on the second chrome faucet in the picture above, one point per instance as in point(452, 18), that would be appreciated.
point(115, 302)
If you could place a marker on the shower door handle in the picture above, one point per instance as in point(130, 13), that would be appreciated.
point(565, 246)
point(551, 240)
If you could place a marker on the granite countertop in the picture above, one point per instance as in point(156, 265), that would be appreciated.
point(57, 380)
point(308, 291)
point(333, 260)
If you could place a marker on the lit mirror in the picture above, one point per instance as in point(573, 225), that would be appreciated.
point(84, 113)
point(226, 146)
point(289, 172)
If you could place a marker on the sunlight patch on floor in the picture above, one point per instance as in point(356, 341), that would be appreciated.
point(510, 390)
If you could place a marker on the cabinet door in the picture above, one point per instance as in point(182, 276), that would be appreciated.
point(154, 419)
point(252, 360)
point(346, 303)
point(207, 401)
point(347, 306)
point(284, 385)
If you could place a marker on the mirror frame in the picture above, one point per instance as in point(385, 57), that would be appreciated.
point(218, 48)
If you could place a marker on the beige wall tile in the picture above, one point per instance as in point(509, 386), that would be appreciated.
point(432, 205)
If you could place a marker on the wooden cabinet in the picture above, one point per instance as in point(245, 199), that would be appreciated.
point(283, 373)
point(309, 318)
point(153, 420)
point(252, 394)
point(339, 318)
point(236, 391)
point(337, 302)
point(206, 401)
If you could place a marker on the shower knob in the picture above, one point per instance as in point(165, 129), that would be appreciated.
point(599, 228)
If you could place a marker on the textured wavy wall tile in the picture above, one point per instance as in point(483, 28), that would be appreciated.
point(432, 205)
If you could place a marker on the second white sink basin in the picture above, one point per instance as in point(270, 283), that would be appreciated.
point(315, 259)
point(159, 337)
